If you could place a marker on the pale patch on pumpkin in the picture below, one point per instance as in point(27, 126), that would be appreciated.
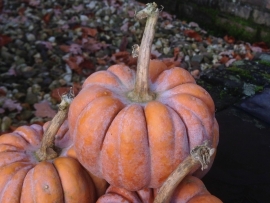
point(171, 78)
point(193, 90)
point(195, 129)
point(12, 189)
point(80, 102)
point(88, 148)
point(103, 78)
point(125, 75)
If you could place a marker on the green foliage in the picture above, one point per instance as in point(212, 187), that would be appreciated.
point(263, 62)
point(258, 88)
point(241, 72)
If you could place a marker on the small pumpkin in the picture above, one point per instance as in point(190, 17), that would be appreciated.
point(25, 179)
point(134, 128)
point(35, 166)
point(190, 190)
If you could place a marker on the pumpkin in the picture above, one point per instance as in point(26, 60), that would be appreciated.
point(100, 184)
point(190, 190)
point(133, 128)
point(25, 179)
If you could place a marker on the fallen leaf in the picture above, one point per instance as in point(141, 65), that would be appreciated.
point(12, 105)
point(34, 3)
point(75, 49)
point(89, 31)
point(58, 92)
point(21, 10)
point(78, 8)
point(166, 15)
point(262, 45)
point(229, 39)
point(103, 60)
point(4, 39)
point(3, 92)
point(92, 45)
point(124, 27)
point(237, 57)
point(87, 65)
point(43, 109)
point(131, 14)
point(64, 48)
point(176, 52)
point(124, 43)
point(46, 18)
point(249, 55)
point(74, 62)
point(229, 62)
point(193, 34)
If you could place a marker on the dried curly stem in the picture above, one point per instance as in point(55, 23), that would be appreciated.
point(141, 92)
point(46, 151)
point(200, 155)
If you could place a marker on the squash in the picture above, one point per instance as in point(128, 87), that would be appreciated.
point(25, 179)
point(133, 128)
point(37, 168)
point(190, 190)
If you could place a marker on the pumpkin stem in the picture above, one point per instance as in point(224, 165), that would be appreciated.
point(141, 92)
point(200, 155)
point(46, 151)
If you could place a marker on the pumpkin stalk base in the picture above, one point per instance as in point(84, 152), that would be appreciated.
point(47, 151)
point(141, 92)
point(141, 96)
point(200, 155)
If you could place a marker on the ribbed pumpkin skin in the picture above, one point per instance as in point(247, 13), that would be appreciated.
point(190, 190)
point(137, 145)
point(24, 179)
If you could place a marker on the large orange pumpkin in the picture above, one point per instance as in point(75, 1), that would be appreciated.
point(190, 190)
point(138, 144)
point(24, 179)
point(134, 128)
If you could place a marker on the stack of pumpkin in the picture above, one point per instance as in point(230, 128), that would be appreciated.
point(118, 140)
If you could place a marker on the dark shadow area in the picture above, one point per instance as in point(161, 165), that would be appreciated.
point(241, 170)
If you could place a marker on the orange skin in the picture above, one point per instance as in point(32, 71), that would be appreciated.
point(136, 145)
point(190, 190)
point(25, 179)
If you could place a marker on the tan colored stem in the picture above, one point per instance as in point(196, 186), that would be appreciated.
point(200, 155)
point(165, 192)
point(141, 92)
point(46, 151)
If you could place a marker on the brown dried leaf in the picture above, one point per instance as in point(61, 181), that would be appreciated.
point(58, 92)
point(229, 39)
point(193, 34)
point(4, 39)
point(89, 31)
point(74, 63)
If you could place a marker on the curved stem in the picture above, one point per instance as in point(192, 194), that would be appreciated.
point(200, 155)
point(141, 92)
point(46, 151)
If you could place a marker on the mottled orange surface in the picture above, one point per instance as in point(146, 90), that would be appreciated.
point(136, 145)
